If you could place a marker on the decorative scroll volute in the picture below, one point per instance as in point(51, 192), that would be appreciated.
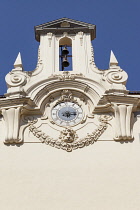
point(116, 76)
point(15, 78)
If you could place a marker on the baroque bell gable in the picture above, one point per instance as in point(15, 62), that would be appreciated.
point(67, 109)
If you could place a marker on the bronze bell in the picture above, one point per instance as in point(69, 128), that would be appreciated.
point(65, 51)
point(65, 62)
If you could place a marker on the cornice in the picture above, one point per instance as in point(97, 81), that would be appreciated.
point(73, 27)
point(15, 102)
point(107, 100)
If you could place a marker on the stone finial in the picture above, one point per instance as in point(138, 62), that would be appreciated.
point(18, 63)
point(113, 60)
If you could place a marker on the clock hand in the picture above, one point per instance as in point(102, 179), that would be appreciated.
point(68, 114)
point(72, 113)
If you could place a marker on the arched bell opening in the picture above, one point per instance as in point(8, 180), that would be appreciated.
point(65, 54)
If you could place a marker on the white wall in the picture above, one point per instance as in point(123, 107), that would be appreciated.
point(102, 176)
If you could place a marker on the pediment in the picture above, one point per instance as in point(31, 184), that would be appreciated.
point(57, 23)
point(65, 24)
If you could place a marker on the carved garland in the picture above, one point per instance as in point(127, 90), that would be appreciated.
point(68, 137)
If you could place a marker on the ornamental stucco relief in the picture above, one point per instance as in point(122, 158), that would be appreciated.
point(84, 96)
point(68, 139)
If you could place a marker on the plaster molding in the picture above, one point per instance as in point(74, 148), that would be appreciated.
point(39, 66)
point(63, 96)
point(92, 61)
point(115, 96)
point(65, 34)
point(123, 114)
point(122, 106)
point(68, 140)
point(50, 38)
point(16, 78)
point(93, 64)
point(66, 96)
point(68, 135)
point(116, 92)
point(15, 81)
point(116, 77)
point(46, 88)
point(12, 120)
point(96, 91)
point(6, 103)
point(66, 75)
point(81, 35)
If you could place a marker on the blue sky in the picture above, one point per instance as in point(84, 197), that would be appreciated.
point(117, 23)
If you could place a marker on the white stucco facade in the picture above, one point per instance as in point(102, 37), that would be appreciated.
point(69, 139)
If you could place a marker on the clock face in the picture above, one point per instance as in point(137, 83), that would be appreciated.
point(67, 114)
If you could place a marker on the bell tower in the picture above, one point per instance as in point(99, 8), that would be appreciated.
point(65, 33)
point(69, 131)
point(67, 92)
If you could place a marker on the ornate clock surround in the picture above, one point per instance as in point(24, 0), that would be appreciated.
point(64, 96)
point(68, 139)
